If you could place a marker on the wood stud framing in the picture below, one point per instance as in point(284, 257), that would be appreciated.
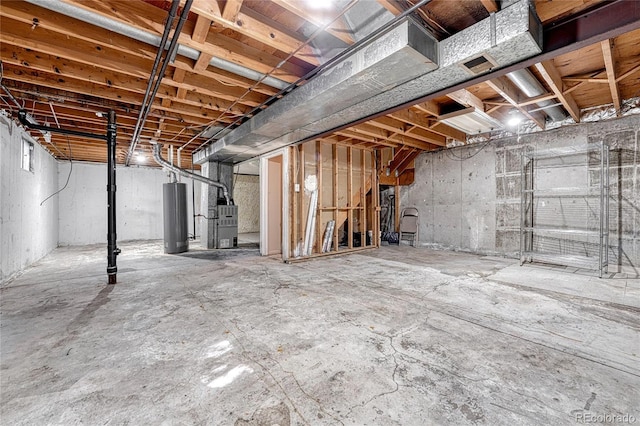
point(347, 194)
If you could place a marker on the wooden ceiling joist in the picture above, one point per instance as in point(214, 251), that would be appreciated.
point(337, 29)
point(552, 77)
point(357, 135)
point(398, 127)
point(507, 90)
point(490, 5)
point(466, 98)
point(201, 29)
point(82, 69)
point(607, 52)
point(216, 45)
point(392, 6)
point(409, 116)
point(429, 107)
point(416, 140)
point(263, 30)
point(628, 73)
point(231, 10)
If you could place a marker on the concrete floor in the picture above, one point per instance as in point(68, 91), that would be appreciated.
point(396, 336)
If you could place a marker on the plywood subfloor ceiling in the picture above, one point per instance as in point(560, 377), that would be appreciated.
point(67, 71)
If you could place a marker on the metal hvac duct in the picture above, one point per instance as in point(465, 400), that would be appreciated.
point(157, 149)
point(393, 69)
point(531, 87)
point(152, 39)
point(401, 53)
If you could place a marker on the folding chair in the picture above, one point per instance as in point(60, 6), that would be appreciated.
point(409, 225)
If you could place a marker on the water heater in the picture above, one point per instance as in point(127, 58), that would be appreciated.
point(176, 233)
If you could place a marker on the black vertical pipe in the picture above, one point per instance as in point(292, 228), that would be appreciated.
point(193, 203)
point(112, 249)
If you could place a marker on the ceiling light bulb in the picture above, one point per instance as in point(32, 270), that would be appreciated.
point(320, 4)
point(514, 121)
point(141, 158)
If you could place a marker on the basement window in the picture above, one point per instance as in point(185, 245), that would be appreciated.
point(27, 155)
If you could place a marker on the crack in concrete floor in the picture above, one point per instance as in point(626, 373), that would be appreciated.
point(353, 340)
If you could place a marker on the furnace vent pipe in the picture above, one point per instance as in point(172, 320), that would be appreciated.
point(157, 149)
point(531, 87)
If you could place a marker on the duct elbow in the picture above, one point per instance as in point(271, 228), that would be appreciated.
point(157, 147)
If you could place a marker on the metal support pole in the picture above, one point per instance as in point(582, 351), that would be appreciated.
point(607, 194)
point(112, 249)
point(601, 245)
point(523, 194)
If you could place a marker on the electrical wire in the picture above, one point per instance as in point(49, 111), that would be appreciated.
point(68, 176)
point(449, 153)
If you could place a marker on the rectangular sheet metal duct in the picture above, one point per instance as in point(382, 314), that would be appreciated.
point(400, 65)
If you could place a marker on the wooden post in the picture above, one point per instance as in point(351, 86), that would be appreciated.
point(375, 187)
point(301, 207)
point(334, 153)
point(396, 208)
point(293, 197)
point(319, 229)
point(350, 199)
point(363, 192)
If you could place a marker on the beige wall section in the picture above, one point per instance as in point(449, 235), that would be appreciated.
point(274, 208)
point(246, 195)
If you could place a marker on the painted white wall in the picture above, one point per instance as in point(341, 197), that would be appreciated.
point(83, 205)
point(28, 231)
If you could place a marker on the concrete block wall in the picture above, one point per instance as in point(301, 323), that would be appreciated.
point(83, 204)
point(28, 230)
point(469, 197)
point(455, 193)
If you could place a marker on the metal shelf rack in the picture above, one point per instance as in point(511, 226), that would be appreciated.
point(566, 225)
